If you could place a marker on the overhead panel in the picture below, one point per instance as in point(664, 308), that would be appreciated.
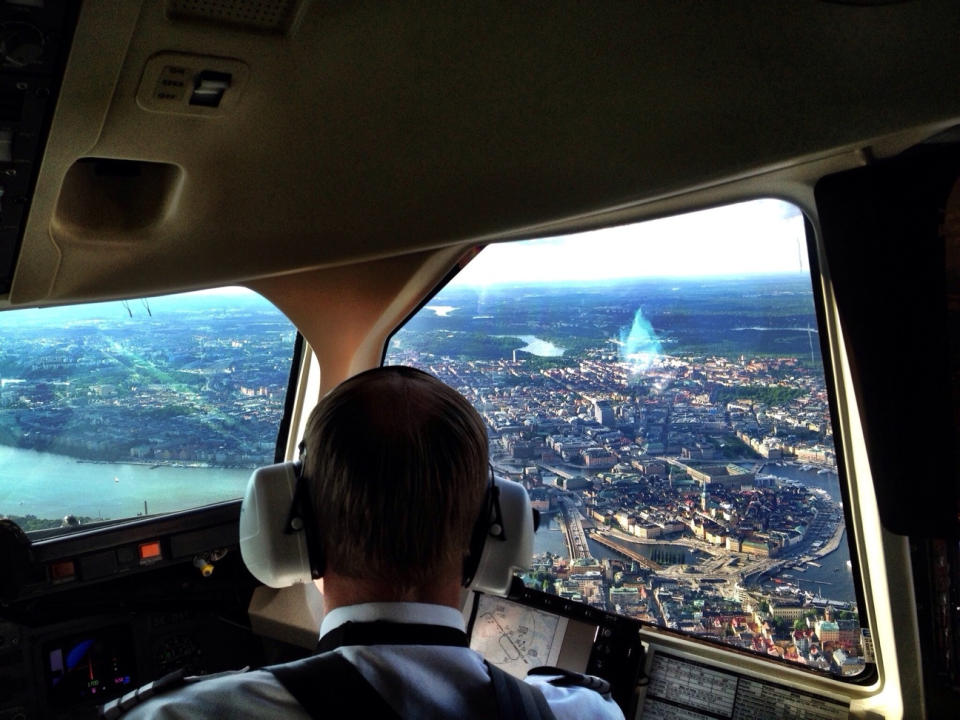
point(191, 84)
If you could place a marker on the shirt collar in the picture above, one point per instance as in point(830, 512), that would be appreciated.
point(400, 612)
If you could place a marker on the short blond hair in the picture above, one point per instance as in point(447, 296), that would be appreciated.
point(397, 466)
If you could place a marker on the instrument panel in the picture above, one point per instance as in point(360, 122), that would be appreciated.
point(105, 610)
point(648, 682)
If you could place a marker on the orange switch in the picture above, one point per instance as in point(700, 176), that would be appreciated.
point(62, 571)
point(150, 551)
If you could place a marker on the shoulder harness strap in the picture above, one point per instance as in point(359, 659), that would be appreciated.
point(329, 686)
point(352, 696)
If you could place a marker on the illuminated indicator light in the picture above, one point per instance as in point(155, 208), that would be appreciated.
point(63, 570)
point(150, 550)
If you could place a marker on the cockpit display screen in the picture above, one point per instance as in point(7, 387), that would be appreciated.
point(531, 629)
point(516, 638)
point(92, 666)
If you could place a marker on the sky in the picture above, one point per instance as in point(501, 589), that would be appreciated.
point(759, 237)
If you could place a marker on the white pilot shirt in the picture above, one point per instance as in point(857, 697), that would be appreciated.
point(415, 680)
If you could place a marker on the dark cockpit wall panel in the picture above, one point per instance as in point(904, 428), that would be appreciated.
point(890, 244)
point(34, 44)
point(892, 236)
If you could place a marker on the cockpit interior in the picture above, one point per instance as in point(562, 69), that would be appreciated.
point(697, 266)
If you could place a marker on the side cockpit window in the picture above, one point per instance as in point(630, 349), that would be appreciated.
point(121, 409)
point(660, 390)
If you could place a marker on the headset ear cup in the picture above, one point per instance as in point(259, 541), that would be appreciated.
point(272, 542)
point(507, 541)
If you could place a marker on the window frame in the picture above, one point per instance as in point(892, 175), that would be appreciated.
point(674, 640)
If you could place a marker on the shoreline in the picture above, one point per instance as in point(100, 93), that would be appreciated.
point(152, 464)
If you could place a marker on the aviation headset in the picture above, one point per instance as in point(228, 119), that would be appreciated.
point(280, 547)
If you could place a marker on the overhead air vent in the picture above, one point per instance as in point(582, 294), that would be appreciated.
point(268, 16)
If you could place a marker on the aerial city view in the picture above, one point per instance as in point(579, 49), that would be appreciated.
point(117, 409)
point(676, 436)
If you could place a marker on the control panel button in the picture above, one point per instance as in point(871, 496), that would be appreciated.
point(209, 87)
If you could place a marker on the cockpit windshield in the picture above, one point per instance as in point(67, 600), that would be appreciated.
point(122, 409)
point(660, 390)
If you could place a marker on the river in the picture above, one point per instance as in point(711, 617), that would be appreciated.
point(537, 346)
point(52, 486)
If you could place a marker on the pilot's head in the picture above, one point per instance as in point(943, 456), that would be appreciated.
point(397, 465)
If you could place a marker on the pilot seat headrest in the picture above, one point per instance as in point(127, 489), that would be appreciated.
point(279, 549)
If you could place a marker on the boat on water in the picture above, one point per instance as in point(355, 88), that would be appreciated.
point(815, 564)
point(823, 471)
